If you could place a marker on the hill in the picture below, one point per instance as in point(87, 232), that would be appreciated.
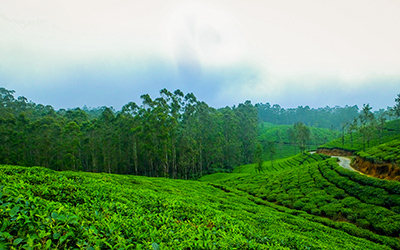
point(44, 209)
point(284, 144)
point(355, 141)
point(376, 149)
point(386, 152)
point(319, 186)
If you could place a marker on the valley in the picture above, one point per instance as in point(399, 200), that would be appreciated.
point(241, 186)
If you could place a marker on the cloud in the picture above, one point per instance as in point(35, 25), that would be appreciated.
point(286, 52)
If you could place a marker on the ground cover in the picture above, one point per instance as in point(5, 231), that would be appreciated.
point(45, 209)
point(387, 152)
point(284, 143)
point(281, 164)
point(326, 190)
point(355, 142)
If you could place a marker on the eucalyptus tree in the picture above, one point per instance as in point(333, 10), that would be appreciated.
point(396, 107)
point(258, 153)
point(380, 124)
point(343, 127)
point(248, 129)
point(271, 151)
point(174, 135)
point(302, 135)
point(131, 113)
point(107, 131)
point(72, 145)
point(367, 127)
point(353, 127)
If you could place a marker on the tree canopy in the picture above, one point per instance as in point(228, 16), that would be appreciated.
point(174, 135)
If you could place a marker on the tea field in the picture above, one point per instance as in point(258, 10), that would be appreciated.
point(386, 152)
point(355, 142)
point(304, 202)
point(284, 143)
point(318, 186)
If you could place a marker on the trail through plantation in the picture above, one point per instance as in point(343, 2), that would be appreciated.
point(345, 162)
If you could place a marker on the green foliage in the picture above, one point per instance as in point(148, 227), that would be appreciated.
point(327, 117)
point(319, 186)
point(44, 209)
point(173, 135)
point(282, 164)
point(355, 141)
point(396, 107)
point(387, 152)
point(284, 146)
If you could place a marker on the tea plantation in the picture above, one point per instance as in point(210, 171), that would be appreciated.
point(355, 142)
point(387, 152)
point(319, 186)
point(296, 206)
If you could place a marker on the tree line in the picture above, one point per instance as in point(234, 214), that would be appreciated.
point(174, 135)
point(327, 117)
point(370, 124)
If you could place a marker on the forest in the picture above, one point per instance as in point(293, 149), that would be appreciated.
point(304, 201)
point(173, 135)
point(327, 117)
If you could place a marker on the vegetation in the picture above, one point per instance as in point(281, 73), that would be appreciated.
point(286, 141)
point(174, 135)
point(330, 118)
point(319, 186)
point(387, 152)
point(306, 201)
point(44, 209)
point(355, 141)
point(369, 129)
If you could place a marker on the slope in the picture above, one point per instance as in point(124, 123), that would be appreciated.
point(284, 146)
point(354, 142)
point(44, 209)
point(378, 156)
point(369, 206)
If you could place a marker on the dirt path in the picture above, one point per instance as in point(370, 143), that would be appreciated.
point(345, 162)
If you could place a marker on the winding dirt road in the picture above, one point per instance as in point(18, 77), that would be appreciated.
point(345, 162)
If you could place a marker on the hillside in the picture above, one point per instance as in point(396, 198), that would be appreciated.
point(45, 209)
point(281, 164)
point(386, 152)
point(320, 187)
point(354, 141)
point(378, 156)
point(284, 144)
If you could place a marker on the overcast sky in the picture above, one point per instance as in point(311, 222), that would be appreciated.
point(96, 52)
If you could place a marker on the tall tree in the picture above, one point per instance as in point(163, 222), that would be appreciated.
point(367, 127)
point(302, 135)
point(258, 153)
point(271, 151)
point(353, 127)
point(396, 107)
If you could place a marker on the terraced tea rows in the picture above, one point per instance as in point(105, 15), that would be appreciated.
point(325, 189)
point(44, 209)
point(282, 164)
point(387, 152)
point(355, 141)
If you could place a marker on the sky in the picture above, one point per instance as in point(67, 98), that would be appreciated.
point(68, 54)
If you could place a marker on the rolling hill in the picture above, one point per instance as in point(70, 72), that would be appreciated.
point(283, 143)
point(306, 203)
